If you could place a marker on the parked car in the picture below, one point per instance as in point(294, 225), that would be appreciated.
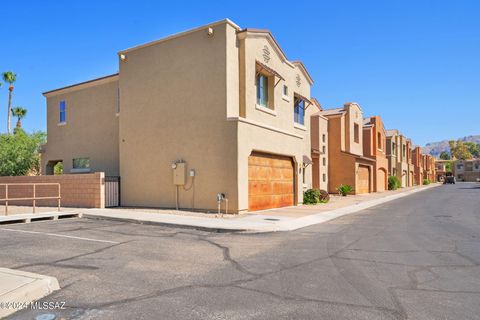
point(449, 180)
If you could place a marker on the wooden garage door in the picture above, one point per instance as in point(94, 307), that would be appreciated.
point(380, 180)
point(270, 181)
point(363, 185)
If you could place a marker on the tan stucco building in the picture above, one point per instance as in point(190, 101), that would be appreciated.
point(418, 164)
point(346, 162)
point(374, 146)
point(214, 110)
point(399, 157)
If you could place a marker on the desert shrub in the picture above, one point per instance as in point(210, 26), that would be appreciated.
point(314, 196)
point(344, 189)
point(426, 181)
point(311, 196)
point(394, 183)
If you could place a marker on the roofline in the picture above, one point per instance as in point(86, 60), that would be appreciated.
point(294, 63)
point(180, 34)
point(304, 69)
point(47, 93)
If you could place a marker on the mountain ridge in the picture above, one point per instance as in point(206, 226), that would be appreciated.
point(435, 148)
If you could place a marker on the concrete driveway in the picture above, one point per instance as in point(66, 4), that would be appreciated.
point(412, 258)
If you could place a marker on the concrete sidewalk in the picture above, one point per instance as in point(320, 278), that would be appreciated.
point(18, 289)
point(266, 221)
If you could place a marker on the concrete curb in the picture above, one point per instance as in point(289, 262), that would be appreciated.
point(242, 224)
point(22, 288)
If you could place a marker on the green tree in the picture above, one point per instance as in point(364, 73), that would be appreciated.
point(19, 153)
point(10, 78)
point(473, 148)
point(459, 150)
point(449, 166)
point(20, 113)
point(444, 155)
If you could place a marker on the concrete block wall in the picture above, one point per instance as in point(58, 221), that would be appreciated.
point(77, 190)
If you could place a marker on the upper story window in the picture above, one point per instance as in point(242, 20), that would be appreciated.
point(393, 148)
point(460, 166)
point(379, 140)
point(324, 137)
point(299, 111)
point(404, 148)
point(262, 90)
point(356, 133)
point(63, 112)
point(285, 91)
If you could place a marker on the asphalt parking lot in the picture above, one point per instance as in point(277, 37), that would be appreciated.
point(413, 258)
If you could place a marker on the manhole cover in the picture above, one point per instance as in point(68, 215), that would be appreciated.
point(46, 316)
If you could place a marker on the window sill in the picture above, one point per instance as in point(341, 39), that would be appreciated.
point(80, 170)
point(286, 98)
point(299, 126)
point(61, 124)
point(266, 110)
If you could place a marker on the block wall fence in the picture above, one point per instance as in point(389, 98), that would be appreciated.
point(77, 190)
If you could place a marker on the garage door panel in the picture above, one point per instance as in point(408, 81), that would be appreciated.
point(363, 184)
point(260, 188)
point(271, 181)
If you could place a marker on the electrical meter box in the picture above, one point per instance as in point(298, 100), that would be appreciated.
point(179, 174)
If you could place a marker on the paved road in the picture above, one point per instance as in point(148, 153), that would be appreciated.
point(412, 258)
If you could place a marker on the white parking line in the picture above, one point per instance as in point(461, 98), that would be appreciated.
point(59, 235)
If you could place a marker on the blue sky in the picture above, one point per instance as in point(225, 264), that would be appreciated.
point(415, 63)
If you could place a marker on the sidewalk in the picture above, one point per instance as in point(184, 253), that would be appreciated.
point(18, 289)
point(283, 219)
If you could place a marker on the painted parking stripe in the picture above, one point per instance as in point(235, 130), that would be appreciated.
point(59, 235)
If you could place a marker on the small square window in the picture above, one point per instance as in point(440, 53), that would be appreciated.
point(285, 90)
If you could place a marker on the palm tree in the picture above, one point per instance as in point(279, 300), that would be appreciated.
point(20, 113)
point(9, 77)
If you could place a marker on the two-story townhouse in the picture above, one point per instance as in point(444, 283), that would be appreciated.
point(210, 111)
point(346, 163)
point(374, 146)
point(411, 169)
point(467, 170)
point(417, 165)
point(319, 141)
point(398, 164)
point(441, 169)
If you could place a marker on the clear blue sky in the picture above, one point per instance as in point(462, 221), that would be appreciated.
point(415, 63)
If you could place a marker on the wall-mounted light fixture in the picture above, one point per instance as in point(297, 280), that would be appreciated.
point(123, 57)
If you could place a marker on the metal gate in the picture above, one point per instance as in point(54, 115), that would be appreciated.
point(112, 192)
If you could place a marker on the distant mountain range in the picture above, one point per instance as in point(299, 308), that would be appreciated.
point(435, 148)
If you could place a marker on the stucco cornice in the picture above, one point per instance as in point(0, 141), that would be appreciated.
point(82, 85)
point(181, 34)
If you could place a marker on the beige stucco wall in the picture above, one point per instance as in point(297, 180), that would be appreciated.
point(91, 128)
point(319, 129)
point(271, 131)
point(173, 106)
